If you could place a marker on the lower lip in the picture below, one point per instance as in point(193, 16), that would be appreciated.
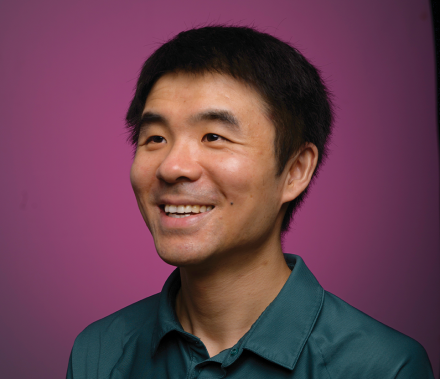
point(182, 222)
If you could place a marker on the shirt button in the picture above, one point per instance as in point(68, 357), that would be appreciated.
point(234, 351)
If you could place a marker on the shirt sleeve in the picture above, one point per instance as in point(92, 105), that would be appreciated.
point(69, 374)
point(417, 365)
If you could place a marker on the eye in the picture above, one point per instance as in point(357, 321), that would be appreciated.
point(156, 139)
point(210, 137)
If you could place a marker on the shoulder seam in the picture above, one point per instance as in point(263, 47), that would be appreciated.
point(322, 357)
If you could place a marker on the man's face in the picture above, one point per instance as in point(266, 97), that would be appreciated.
point(206, 144)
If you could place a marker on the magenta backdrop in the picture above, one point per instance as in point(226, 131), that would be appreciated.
point(73, 245)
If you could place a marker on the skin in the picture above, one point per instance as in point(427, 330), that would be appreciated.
point(230, 258)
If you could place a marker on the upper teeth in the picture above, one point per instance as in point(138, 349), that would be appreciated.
point(187, 208)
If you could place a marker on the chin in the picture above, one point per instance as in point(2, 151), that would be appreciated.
point(182, 257)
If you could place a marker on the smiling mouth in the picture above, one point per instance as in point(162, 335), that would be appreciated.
point(179, 211)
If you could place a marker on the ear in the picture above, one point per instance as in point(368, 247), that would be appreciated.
point(300, 169)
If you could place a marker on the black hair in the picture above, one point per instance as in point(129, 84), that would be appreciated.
point(296, 97)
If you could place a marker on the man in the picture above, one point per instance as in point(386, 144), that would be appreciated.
point(230, 127)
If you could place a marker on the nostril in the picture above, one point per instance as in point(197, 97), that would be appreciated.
point(179, 166)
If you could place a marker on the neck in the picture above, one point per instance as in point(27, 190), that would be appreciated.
point(220, 305)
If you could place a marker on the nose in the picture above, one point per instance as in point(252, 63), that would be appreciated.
point(180, 164)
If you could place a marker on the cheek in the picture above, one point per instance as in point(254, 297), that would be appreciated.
point(243, 176)
point(141, 175)
point(142, 178)
point(232, 174)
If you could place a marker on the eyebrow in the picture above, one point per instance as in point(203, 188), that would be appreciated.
point(149, 118)
point(224, 116)
point(221, 115)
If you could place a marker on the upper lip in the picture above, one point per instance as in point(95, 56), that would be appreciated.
point(182, 201)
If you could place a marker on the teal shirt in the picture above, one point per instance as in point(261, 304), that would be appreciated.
point(305, 332)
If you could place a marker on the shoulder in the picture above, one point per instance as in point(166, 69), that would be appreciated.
point(352, 342)
point(123, 323)
point(99, 346)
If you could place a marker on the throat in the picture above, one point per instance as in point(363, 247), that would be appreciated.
point(220, 309)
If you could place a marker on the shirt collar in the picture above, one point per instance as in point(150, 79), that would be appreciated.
point(166, 316)
point(281, 331)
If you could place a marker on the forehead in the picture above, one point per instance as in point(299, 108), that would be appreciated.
point(179, 93)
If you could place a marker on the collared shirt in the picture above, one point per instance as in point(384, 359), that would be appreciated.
point(305, 332)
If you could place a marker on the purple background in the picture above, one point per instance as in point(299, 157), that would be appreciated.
point(73, 245)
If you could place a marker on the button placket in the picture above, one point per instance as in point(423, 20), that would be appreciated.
point(232, 356)
point(196, 372)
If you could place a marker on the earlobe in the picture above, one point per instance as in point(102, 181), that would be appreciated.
point(300, 169)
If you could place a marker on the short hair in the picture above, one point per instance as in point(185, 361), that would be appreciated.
point(297, 100)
